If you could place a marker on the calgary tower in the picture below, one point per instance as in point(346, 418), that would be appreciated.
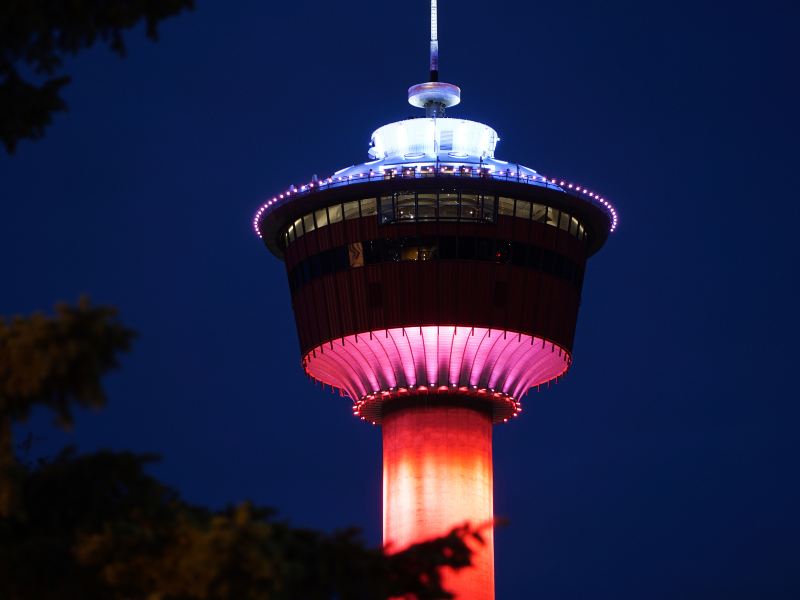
point(435, 286)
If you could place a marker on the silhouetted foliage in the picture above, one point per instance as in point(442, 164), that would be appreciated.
point(55, 362)
point(100, 527)
point(35, 35)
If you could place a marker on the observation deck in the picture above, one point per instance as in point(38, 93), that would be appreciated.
point(410, 272)
point(447, 149)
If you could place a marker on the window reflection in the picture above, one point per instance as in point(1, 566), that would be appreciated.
point(368, 207)
point(539, 213)
point(523, 209)
point(552, 216)
point(448, 207)
point(321, 218)
point(351, 210)
point(426, 207)
point(506, 207)
point(335, 213)
point(405, 206)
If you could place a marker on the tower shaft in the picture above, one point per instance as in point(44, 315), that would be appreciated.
point(437, 475)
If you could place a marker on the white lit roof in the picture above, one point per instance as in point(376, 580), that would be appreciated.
point(424, 142)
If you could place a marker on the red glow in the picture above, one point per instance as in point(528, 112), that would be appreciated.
point(437, 474)
point(436, 355)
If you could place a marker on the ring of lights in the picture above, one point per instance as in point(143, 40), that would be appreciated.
point(440, 170)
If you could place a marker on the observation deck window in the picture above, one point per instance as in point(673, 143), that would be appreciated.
point(308, 222)
point(506, 207)
point(552, 216)
point(321, 218)
point(408, 207)
point(335, 213)
point(426, 207)
point(351, 210)
point(523, 209)
point(563, 223)
point(387, 209)
point(488, 204)
point(448, 207)
point(369, 207)
point(470, 210)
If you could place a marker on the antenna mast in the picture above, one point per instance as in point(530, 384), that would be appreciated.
point(434, 42)
point(434, 96)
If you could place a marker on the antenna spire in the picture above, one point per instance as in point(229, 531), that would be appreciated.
point(434, 42)
point(434, 96)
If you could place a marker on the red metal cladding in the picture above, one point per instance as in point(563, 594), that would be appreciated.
point(437, 475)
point(409, 294)
point(474, 358)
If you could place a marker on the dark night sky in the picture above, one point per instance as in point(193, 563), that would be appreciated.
point(664, 466)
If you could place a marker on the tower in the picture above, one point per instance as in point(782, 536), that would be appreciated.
point(435, 285)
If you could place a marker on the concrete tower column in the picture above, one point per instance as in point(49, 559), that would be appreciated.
point(437, 474)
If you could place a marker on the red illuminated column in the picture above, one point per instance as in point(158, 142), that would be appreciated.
point(437, 474)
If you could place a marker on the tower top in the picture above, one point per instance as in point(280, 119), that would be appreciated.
point(434, 96)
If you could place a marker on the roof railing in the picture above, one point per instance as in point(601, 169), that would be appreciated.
point(513, 173)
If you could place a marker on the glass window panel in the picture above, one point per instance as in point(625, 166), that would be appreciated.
point(573, 226)
point(335, 213)
point(387, 209)
point(552, 216)
point(469, 207)
point(426, 207)
point(581, 232)
point(506, 207)
point(404, 204)
point(540, 213)
point(298, 228)
point(564, 222)
point(448, 207)
point(428, 252)
point(409, 253)
point(290, 234)
point(308, 222)
point(369, 207)
point(391, 250)
point(488, 208)
point(351, 210)
point(321, 218)
point(523, 209)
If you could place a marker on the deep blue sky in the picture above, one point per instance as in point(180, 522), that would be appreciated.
point(664, 466)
